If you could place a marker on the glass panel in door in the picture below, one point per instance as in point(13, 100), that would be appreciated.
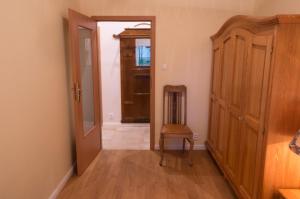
point(86, 72)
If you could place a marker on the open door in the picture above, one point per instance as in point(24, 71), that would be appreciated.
point(84, 60)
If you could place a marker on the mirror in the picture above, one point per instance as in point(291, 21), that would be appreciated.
point(143, 52)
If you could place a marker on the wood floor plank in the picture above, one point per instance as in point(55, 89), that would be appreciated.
point(129, 174)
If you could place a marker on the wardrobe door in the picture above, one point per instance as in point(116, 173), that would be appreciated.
point(212, 136)
point(256, 85)
point(235, 103)
point(222, 100)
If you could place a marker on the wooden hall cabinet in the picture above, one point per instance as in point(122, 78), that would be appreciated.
point(255, 103)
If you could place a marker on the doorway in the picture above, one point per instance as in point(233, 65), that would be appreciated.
point(127, 65)
point(86, 77)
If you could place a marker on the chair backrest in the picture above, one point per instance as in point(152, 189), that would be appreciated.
point(174, 104)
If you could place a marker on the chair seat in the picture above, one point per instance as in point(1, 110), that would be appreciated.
point(176, 129)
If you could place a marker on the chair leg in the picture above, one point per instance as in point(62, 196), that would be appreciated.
point(191, 150)
point(161, 147)
point(183, 145)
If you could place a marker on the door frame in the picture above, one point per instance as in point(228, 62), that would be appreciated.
point(151, 19)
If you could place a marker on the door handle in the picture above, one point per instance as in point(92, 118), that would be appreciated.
point(77, 92)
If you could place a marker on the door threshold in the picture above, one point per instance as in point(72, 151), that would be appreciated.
point(120, 125)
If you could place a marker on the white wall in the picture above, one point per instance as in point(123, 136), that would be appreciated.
point(110, 69)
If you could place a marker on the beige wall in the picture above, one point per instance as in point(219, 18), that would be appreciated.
point(35, 130)
point(273, 7)
point(35, 140)
point(182, 42)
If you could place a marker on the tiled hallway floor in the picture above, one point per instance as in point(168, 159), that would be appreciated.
point(126, 137)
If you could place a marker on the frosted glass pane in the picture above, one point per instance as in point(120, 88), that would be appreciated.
point(86, 72)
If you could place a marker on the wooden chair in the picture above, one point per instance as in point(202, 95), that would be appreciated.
point(174, 118)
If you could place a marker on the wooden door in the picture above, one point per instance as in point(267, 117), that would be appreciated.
point(222, 112)
point(235, 103)
point(215, 92)
point(135, 80)
point(84, 60)
point(256, 80)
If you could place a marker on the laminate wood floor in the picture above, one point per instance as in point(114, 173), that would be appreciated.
point(129, 174)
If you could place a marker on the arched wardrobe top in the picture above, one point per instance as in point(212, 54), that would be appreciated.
point(255, 24)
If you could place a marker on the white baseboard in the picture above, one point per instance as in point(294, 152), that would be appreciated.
point(62, 183)
point(179, 147)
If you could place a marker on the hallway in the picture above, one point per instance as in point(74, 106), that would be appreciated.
point(137, 175)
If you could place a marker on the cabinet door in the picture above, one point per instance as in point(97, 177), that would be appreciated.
point(241, 40)
point(256, 85)
point(212, 135)
point(227, 62)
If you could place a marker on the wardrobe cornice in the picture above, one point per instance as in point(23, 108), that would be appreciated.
point(255, 24)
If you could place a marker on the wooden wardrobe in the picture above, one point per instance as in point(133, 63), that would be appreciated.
point(255, 104)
